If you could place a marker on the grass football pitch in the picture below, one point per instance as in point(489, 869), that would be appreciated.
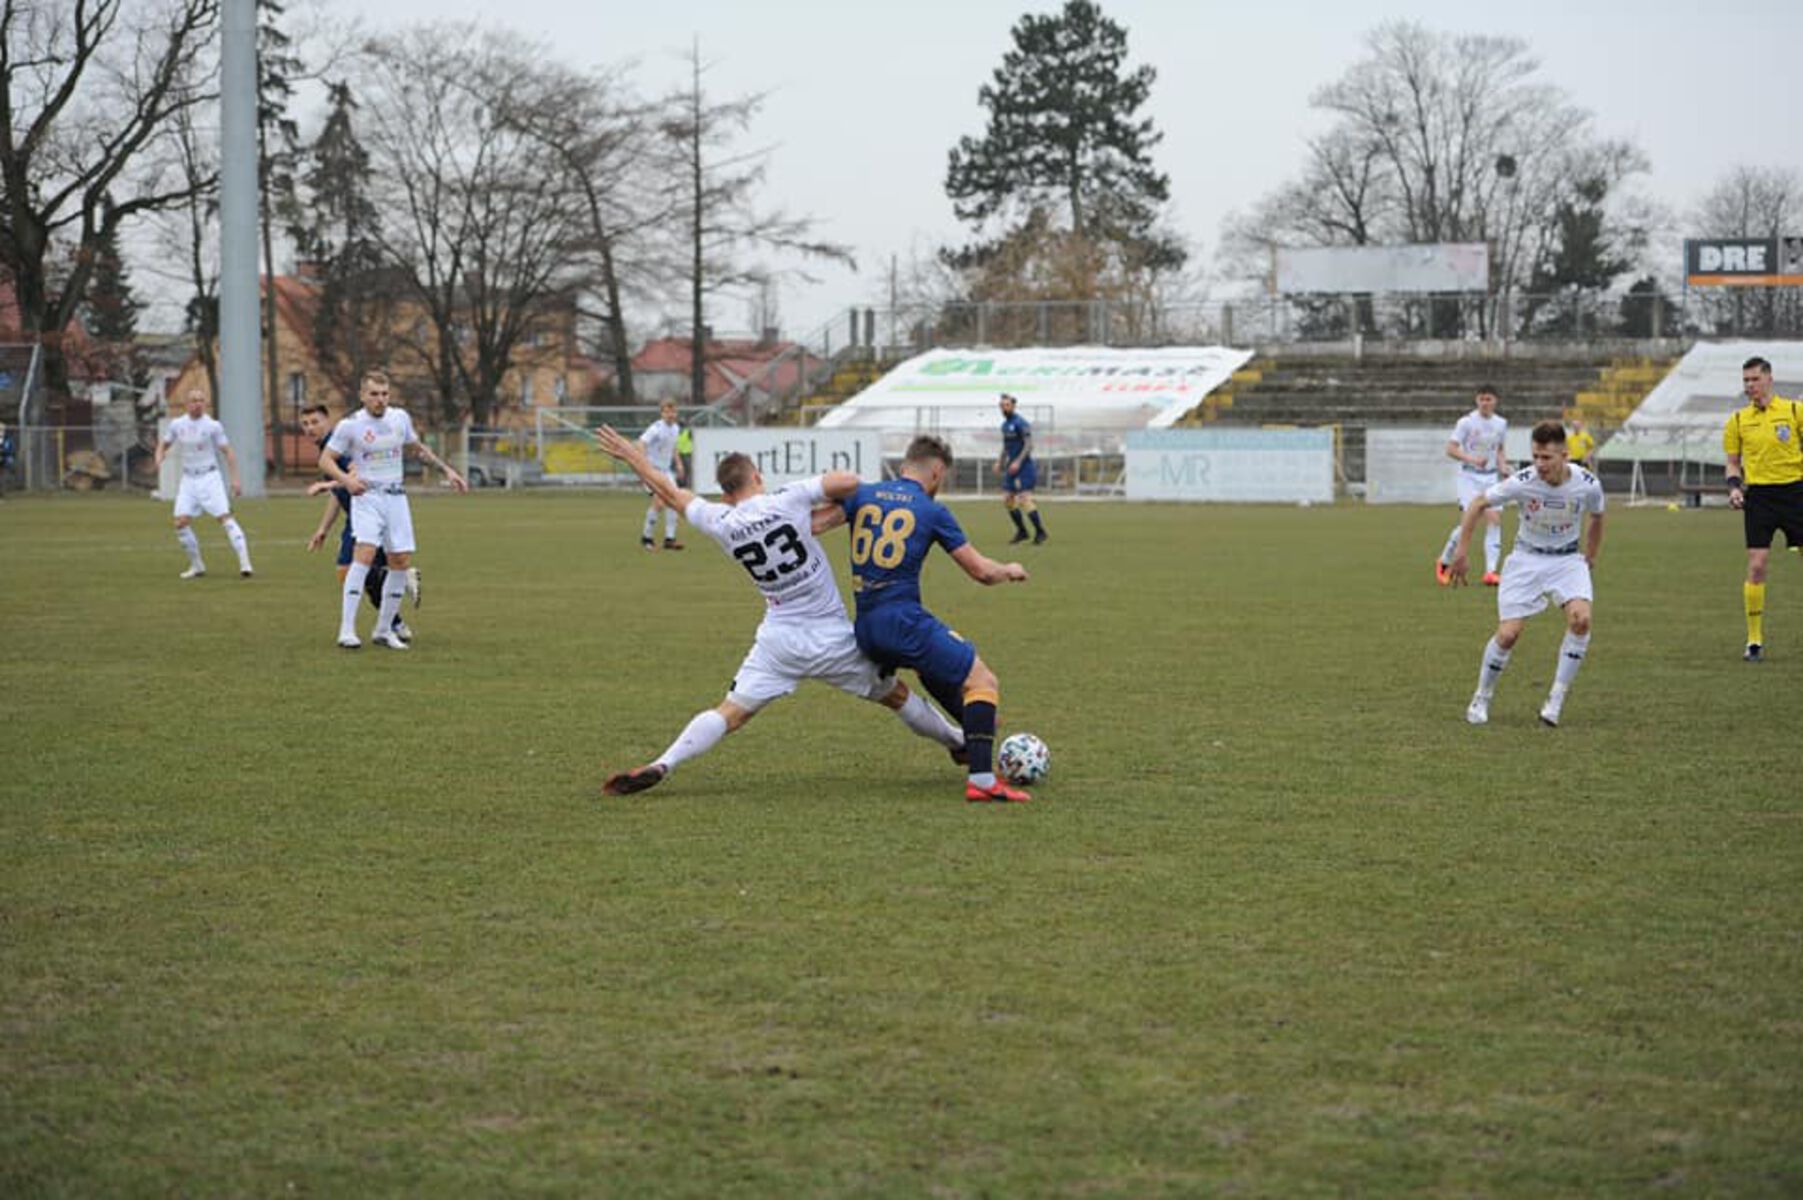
point(277, 919)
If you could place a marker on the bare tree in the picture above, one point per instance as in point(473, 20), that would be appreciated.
point(472, 216)
point(1450, 138)
point(716, 205)
point(88, 100)
point(606, 141)
point(1753, 202)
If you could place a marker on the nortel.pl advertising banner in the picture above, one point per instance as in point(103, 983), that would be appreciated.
point(786, 455)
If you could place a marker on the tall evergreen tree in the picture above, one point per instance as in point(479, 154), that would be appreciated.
point(1064, 137)
point(110, 308)
point(336, 232)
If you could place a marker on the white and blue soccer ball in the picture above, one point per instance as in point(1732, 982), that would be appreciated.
point(1023, 759)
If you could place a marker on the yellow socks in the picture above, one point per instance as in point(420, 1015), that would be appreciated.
point(1754, 596)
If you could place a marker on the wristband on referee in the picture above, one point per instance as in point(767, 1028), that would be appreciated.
point(1734, 483)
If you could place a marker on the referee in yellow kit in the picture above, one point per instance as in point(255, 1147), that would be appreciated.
point(1764, 442)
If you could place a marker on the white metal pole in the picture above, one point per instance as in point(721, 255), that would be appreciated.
point(240, 404)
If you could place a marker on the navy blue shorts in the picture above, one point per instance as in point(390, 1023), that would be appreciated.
point(1024, 480)
point(907, 635)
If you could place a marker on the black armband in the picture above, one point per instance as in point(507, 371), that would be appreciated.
point(1733, 482)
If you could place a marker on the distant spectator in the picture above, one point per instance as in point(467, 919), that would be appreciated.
point(685, 450)
point(1580, 443)
point(8, 450)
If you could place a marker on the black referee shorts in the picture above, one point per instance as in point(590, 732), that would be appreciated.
point(1771, 507)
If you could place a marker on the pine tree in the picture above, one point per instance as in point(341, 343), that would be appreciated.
point(336, 232)
point(1063, 138)
point(110, 308)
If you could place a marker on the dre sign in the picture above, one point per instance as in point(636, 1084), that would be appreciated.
point(1744, 262)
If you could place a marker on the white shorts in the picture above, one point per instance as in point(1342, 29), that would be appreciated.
point(380, 519)
point(788, 652)
point(202, 494)
point(1531, 581)
point(667, 475)
point(1472, 485)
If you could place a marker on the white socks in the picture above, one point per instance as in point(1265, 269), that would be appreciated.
point(650, 520)
point(353, 593)
point(1496, 659)
point(191, 544)
point(394, 586)
point(669, 524)
point(1492, 548)
point(1571, 656)
point(702, 734)
point(928, 722)
point(234, 533)
point(1452, 544)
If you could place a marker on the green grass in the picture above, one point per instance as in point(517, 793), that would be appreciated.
point(276, 919)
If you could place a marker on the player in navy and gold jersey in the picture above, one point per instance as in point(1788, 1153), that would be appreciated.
point(1764, 445)
point(1019, 472)
point(894, 526)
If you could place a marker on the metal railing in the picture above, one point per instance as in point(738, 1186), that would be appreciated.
point(115, 455)
point(1264, 320)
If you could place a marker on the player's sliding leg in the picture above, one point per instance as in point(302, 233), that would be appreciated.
point(1012, 503)
point(921, 717)
point(1571, 657)
point(1032, 506)
point(190, 544)
point(701, 734)
point(234, 533)
point(1495, 661)
point(982, 695)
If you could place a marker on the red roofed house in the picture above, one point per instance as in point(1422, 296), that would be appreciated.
point(761, 372)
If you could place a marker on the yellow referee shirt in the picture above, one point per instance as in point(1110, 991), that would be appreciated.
point(1580, 445)
point(1769, 441)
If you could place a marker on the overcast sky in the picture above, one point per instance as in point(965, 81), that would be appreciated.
point(865, 100)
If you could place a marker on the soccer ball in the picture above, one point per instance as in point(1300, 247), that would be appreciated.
point(1023, 759)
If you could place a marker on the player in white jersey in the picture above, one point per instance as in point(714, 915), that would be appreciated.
point(1551, 561)
point(805, 633)
point(199, 441)
point(1476, 445)
point(659, 441)
point(376, 438)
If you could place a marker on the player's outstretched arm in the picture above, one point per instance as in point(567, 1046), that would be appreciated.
point(424, 453)
point(1593, 545)
point(327, 519)
point(231, 464)
point(986, 570)
point(328, 465)
point(827, 518)
point(633, 455)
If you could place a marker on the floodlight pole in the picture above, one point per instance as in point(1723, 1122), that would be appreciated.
point(240, 402)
